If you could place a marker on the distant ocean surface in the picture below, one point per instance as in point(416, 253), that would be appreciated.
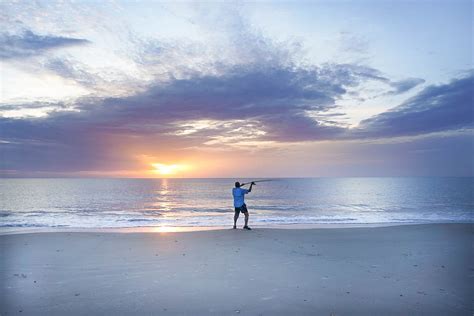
point(100, 203)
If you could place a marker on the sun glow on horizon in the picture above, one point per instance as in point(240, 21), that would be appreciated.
point(168, 170)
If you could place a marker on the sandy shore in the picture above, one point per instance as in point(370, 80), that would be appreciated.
point(400, 270)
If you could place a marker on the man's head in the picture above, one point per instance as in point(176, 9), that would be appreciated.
point(237, 184)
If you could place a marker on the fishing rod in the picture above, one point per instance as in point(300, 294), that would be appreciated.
point(266, 180)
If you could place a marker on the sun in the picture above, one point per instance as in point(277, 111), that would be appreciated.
point(166, 170)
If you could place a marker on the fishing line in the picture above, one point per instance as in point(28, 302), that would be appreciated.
point(264, 180)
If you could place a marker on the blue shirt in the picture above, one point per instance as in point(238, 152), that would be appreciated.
point(238, 194)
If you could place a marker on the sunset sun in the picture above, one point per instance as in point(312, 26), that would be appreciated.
point(167, 170)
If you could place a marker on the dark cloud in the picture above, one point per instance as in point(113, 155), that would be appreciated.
point(405, 85)
point(436, 108)
point(276, 100)
point(30, 44)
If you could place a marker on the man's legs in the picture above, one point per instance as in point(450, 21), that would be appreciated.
point(242, 209)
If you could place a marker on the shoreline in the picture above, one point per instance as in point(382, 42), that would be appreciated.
point(183, 229)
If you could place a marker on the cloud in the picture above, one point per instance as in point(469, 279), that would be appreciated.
point(69, 70)
point(436, 108)
point(240, 110)
point(403, 86)
point(282, 104)
point(30, 44)
point(368, 73)
point(277, 98)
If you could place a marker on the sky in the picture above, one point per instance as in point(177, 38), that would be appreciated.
point(236, 89)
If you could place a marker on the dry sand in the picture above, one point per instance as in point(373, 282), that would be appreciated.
point(400, 270)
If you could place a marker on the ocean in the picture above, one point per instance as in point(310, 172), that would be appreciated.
point(114, 203)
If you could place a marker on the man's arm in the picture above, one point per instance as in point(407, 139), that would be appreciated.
point(251, 184)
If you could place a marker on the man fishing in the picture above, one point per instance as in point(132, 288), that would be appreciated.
point(239, 203)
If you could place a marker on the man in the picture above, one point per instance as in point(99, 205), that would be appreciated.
point(239, 203)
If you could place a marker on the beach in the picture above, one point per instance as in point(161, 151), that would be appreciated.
point(396, 270)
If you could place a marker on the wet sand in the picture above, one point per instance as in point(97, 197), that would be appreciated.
point(410, 270)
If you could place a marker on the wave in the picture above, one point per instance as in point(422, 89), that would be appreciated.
point(137, 220)
point(31, 225)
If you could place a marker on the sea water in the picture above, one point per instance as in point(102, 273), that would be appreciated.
point(100, 203)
